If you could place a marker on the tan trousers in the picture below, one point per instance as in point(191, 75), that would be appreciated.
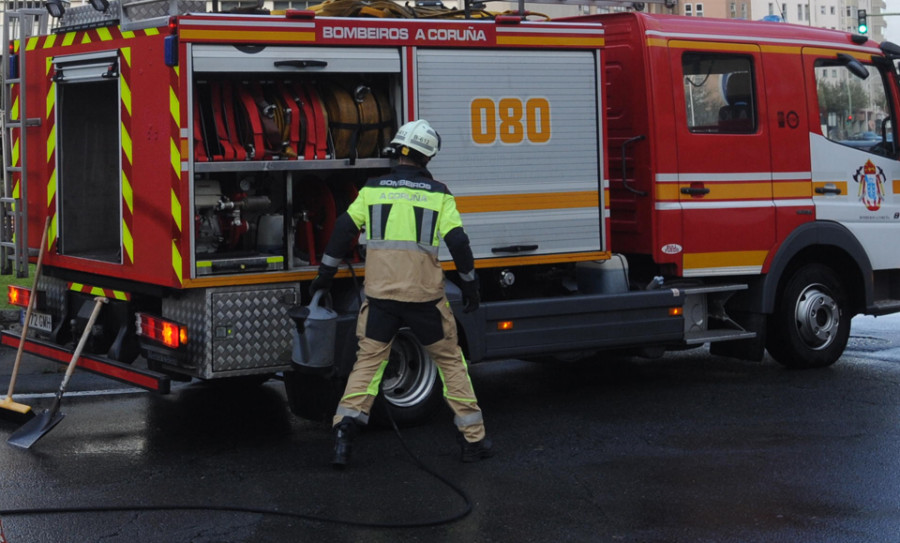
point(383, 319)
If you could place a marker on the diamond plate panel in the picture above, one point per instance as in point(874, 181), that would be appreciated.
point(137, 10)
point(86, 15)
point(236, 330)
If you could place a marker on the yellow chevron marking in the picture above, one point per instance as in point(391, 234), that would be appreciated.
point(176, 262)
point(54, 232)
point(127, 193)
point(176, 210)
point(128, 241)
point(51, 101)
point(126, 94)
point(51, 143)
point(174, 106)
point(51, 187)
point(175, 156)
point(104, 34)
point(126, 144)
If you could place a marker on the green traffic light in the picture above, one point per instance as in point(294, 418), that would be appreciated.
point(863, 29)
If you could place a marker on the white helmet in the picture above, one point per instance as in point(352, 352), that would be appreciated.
point(418, 135)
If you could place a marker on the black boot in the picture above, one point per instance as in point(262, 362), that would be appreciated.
point(479, 450)
point(343, 437)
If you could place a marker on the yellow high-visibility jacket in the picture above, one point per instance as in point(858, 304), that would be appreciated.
point(405, 213)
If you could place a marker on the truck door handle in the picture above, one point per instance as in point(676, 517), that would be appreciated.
point(694, 191)
point(301, 63)
point(828, 190)
point(514, 249)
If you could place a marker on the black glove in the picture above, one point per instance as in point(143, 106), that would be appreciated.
point(471, 294)
point(323, 280)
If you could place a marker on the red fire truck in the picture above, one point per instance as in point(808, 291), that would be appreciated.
point(629, 181)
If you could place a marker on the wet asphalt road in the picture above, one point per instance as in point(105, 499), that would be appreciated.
point(688, 448)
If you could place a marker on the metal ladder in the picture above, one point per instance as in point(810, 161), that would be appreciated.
point(21, 20)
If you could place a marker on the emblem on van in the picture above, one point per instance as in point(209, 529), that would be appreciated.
point(672, 248)
point(871, 180)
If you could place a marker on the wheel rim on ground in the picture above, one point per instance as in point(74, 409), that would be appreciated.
point(410, 374)
point(817, 317)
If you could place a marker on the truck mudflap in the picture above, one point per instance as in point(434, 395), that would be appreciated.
point(141, 378)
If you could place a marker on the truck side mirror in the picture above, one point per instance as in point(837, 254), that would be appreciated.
point(890, 49)
point(856, 67)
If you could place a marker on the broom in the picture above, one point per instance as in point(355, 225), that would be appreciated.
point(10, 410)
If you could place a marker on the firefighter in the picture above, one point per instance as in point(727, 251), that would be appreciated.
point(405, 214)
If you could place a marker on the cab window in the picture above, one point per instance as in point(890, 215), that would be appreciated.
point(853, 111)
point(719, 92)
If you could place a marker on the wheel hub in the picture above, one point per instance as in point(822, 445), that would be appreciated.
point(817, 317)
point(410, 374)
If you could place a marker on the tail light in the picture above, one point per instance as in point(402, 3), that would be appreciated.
point(18, 296)
point(169, 333)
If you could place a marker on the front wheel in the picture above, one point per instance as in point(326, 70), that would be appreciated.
point(410, 386)
point(811, 323)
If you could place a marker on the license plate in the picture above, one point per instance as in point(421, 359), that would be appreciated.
point(40, 321)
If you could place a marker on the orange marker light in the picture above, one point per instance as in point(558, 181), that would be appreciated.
point(169, 334)
point(676, 311)
point(18, 296)
point(504, 325)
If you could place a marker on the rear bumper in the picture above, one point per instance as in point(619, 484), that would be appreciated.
point(146, 379)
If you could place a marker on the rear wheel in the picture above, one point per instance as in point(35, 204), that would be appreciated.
point(312, 395)
point(811, 323)
point(410, 387)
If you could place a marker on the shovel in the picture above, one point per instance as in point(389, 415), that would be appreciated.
point(30, 432)
point(9, 409)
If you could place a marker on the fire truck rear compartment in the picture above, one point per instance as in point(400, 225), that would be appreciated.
point(88, 153)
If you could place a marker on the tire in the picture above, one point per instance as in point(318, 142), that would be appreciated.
point(411, 389)
point(811, 323)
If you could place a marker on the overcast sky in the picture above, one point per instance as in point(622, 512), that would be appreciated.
point(892, 33)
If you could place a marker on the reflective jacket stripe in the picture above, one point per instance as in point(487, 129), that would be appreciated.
point(377, 244)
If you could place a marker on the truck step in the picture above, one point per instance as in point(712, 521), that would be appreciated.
point(883, 307)
point(709, 336)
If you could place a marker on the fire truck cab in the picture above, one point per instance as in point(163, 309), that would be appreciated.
point(764, 152)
